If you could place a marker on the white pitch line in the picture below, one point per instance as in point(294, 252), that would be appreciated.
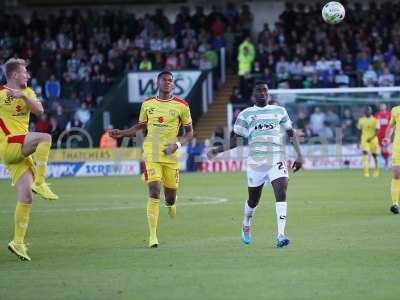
point(208, 201)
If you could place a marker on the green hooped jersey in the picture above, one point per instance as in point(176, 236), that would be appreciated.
point(264, 127)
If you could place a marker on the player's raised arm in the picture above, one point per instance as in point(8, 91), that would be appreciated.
point(222, 148)
point(240, 129)
point(130, 132)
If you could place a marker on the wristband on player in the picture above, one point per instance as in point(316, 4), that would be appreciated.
point(178, 144)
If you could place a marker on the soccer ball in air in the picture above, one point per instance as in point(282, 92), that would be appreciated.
point(333, 12)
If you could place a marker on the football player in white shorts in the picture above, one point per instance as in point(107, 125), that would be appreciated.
point(263, 126)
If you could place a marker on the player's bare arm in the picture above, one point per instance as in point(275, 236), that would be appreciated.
point(294, 140)
point(35, 106)
point(233, 143)
point(130, 132)
point(171, 148)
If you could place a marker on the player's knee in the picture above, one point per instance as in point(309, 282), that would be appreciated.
point(170, 199)
point(396, 174)
point(253, 201)
point(46, 138)
point(154, 192)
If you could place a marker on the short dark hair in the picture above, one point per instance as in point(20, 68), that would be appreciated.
point(164, 73)
point(260, 82)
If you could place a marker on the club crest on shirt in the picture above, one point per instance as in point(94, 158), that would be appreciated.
point(173, 113)
point(8, 99)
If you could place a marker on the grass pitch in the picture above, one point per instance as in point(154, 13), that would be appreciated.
point(91, 244)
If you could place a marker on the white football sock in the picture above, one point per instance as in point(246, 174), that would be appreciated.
point(248, 214)
point(281, 209)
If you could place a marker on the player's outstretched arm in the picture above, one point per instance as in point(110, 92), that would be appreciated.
point(130, 132)
point(34, 106)
point(294, 140)
point(233, 143)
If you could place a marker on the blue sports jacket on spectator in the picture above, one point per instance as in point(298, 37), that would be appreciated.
point(52, 89)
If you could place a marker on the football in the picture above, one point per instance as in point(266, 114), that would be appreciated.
point(333, 12)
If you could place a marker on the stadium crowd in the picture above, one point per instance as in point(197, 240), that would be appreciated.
point(76, 55)
point(304, 52)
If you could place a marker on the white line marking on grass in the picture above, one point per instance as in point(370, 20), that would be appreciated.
point(104, 206)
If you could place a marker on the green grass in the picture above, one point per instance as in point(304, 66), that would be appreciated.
point(345, 243)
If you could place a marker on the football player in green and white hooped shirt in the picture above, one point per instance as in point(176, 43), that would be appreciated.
point(264, 125)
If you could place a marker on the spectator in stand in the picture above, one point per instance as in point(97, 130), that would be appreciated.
point(43, 125)
point(156, 42)
point(169, 43)
point(100, 88)
point(43, 74)
point(106, 141)
point(394, 67)
point(211, 55)
point(246, 19)
point(172, 61)
point(204, 63)
point(145, 64)
point(73, 66)
point(68, 86)
point(333, 119)
point(237, 97)
point(37, 88)
point(52, 88)
point(296, 73)
point(86, 86)
point(231, 14)
point(317, 120)
point(302, 124)
point(83, 113)
point(282, 70)
point(342, 80)
point(326, 133)
point(370, 78)
point(158, 62)
point(269, 78)
point(386, 78)
point(309, 68)
point(348, 126)
point(362, 62)
point(194, 151)
point(61, 118)
point(246, 86)
point(235, 114)
point(218, 136)
point(246, 56)
point(74, 123)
